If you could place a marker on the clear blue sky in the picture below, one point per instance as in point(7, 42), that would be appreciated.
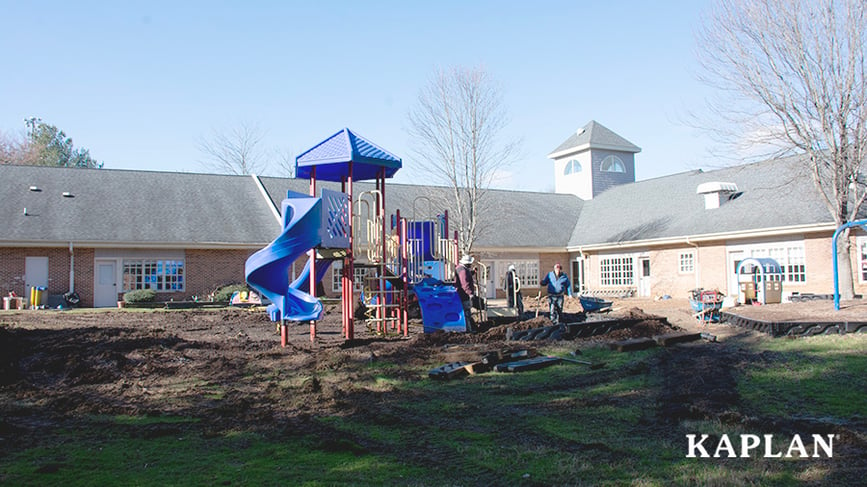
point(138, 83)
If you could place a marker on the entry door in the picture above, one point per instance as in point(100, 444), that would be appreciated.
point(491, 285)
point(578, 276)
point(734, 258)
point(35, 274)
point(105, 291)
point(644, 276)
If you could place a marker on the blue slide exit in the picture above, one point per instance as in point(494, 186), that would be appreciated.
point(268, 269)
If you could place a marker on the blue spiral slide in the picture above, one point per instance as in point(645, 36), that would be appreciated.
point(268, 269)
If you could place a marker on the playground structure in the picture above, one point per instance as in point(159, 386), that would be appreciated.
point(760, 280)
point(381, 255)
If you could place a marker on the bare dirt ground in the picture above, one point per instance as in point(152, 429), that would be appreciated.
point(58, 366)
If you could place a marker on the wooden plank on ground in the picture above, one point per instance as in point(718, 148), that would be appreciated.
point(525, 365)
point(449, 371)
point(674, 338)
point(633, 344)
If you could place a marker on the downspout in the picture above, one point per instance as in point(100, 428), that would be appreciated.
point(697, 264)
point(71, 269)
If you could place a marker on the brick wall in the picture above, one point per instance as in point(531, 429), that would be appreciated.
point(207, 270)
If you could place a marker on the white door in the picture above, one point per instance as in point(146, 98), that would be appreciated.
point(578, 276)
point(35, 274)
point(734, 258)
point(105, 290)
point(491, 285)
point(644, 276)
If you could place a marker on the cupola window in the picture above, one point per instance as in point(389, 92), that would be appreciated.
point(572, 167)
point(613, 164)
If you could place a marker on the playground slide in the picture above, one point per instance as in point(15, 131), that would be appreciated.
point(268, 269)
point(440, 306)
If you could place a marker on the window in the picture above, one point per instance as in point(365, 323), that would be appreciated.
point(528, 272)
point(358, 282)
point(616, 271)
point(686, 263)
point(789, 256)
point(159, 275)
point(612, 164)
point(862, 257)
point(572, 167)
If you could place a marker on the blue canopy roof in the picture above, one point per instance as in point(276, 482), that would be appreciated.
point(331, 159)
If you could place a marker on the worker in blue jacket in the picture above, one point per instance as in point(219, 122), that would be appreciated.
point(558, 286)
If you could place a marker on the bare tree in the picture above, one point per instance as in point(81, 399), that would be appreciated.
point(792, 78)
point(235, 151)
point(456, 127)
point(285, 162)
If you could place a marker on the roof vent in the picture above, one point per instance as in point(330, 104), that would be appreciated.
point(35, 189)
point(67, 194)
point(579, 131)
point(713, 192)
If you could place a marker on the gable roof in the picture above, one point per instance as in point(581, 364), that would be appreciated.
point(125, 208)
point(772, 194)
point(594, 135)
point(109, 207)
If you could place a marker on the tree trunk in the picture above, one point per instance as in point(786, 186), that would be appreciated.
point(844, 266)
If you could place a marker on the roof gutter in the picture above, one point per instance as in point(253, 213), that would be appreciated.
point(709, 237)
point(137, 245)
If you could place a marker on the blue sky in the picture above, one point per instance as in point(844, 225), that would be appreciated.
point(138, 83)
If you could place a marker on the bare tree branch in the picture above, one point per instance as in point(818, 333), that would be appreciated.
point(791, 79)
point(456, 127)
point(236, 151)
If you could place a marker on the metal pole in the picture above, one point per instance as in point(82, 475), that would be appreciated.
point(313, 258)
point(349, 269)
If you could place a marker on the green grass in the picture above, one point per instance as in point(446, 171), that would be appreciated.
point(563, 425)
point(818, 377)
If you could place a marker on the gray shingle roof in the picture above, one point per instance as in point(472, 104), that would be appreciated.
point(516, 218)
point(595, 134)
point(774, 193)
point(121, 206)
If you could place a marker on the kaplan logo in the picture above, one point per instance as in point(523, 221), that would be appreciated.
point(765, 444)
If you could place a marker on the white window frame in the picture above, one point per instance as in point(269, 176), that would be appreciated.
point(613, 163)
point(527, 269)
point(572, 167)
point(861, 245)
point(617, 271)
point(337, 277)
point(161, 275)
point(791, 256)
point(686, 262)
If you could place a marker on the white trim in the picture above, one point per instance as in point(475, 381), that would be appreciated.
point(708, 237)
point(540, 250)
point(271, 205)
point(587, 146)
point(137, 245)
point(859, 262)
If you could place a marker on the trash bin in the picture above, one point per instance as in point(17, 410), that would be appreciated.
point(36, 295)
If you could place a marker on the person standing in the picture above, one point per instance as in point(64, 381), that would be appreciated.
point(558, 286)
point(466, 287)
point(513, 290)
